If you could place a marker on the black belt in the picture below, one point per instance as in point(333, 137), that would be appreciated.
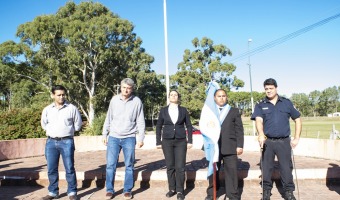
point(277, 138)
point(60, 138)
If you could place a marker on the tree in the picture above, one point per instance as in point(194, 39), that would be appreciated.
point(314, 97)
point(328, 101)
point(199, 66)
point(15, 69)
point(242, 100)
point(302, 103)
point(88, 49)
point(151, 90)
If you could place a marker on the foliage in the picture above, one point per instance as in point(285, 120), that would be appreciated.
point(11, 68)
point(242, 100)
point(25, 95)
point(151, 90)
point(97, 126)
point(199, 66)
point(90, 49)
point(318, 103)
point(21, 124)
point(85, 47)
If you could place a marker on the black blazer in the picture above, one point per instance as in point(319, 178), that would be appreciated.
point(165, 128)
point(232, 135)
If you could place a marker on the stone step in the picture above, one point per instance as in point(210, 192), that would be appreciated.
point(150, 169)
point(152, 183)
point(145, 181)
point(249, 190)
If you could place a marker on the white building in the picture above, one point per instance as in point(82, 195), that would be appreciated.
point(336, 114)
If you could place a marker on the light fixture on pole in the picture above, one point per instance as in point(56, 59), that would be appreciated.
point(251, 87)
point(167, 81)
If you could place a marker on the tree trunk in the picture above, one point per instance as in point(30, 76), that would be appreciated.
point(91, 112)
point(152, 109)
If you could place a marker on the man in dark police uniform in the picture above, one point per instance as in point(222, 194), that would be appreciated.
point(272, 116)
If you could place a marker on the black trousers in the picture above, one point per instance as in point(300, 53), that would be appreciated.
point(230, 177)
point(282, 149)
point(175, 151)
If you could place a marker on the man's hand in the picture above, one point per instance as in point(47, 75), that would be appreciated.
point(261, 139)
point(294, 142)
point(140, 144)
point(158, 146)
point(104, 140)
point(239, 151)
point(189, 146)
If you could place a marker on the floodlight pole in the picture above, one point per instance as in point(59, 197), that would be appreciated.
point(251, 88)
point(167, 81)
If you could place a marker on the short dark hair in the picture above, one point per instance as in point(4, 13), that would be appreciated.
point(58, 87)
point(218, 91)
point(270, 81)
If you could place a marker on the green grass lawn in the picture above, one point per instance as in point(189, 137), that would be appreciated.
point(318, 127)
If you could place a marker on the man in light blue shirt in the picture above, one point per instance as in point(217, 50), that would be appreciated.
point(124, 119)
point(60, 120)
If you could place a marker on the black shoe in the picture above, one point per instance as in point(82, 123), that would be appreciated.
point(180, 196)
point(266, 195)
point(209, 197)
point(289, 195)
point(170, 193)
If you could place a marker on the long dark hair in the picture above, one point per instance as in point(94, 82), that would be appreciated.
point(178, 94)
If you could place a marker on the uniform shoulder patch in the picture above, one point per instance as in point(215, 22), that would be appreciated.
point(263, 100)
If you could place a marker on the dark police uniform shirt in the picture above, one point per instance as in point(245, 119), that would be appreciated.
point(276, 117)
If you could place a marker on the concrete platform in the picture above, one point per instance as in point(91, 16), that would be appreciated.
point(308, 191)
point(26, 178)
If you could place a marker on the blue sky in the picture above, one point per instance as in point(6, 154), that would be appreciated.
point(305, 63)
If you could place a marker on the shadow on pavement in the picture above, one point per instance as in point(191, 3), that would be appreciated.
point(9, 193)
point(331, 182)
point(18, 177)
point(146, 171)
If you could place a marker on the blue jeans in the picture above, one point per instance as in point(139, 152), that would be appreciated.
point(53, 150)
point(114, 146)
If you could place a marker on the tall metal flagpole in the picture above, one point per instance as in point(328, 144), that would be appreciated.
point(251, 89)
point(167, 81)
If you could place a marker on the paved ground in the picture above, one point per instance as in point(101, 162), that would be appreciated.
point(26, 178)
point(308, 191)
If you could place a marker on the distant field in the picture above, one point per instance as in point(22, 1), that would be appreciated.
point(318, 127)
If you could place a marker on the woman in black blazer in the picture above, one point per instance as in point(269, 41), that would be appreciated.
point(171, 136)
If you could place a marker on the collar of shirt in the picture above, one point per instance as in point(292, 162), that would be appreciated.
point(66, 103)
point(173, 106)
point(121, 98)
point(279, 98)
point(173, 112)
